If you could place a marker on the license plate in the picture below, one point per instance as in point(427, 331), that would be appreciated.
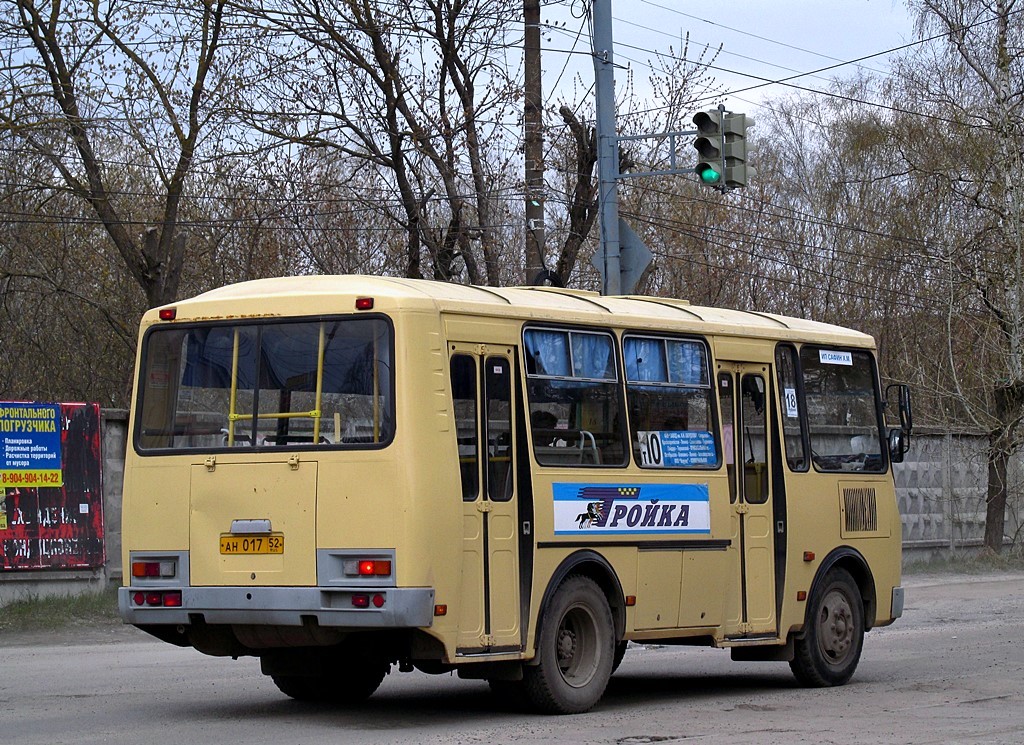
point(271, 543)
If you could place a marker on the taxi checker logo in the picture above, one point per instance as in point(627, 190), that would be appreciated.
point(652, 508)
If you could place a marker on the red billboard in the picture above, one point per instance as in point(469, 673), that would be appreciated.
point(51, 511)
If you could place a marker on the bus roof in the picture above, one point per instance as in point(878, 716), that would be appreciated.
point(334, 294)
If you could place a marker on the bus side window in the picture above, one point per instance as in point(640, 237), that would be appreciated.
point(726, 399)
point(575, 398)
point(464, 384)
point(791, 405)
point(498, 424)
point(671, 402)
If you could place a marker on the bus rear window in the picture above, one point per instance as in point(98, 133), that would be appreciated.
point(304, 383)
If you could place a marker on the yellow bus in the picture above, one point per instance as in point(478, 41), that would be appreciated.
point(342, 474)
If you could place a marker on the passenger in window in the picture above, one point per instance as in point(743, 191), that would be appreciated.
point(543, 424)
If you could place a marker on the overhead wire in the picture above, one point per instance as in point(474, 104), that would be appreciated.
point(908, 298)
point(768, 82)
point(787, 81)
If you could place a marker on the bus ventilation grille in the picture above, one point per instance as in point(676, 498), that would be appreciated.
point(861, 511)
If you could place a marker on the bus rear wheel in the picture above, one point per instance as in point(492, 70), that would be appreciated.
point(620, 653)
point(829, 651)
point(330, 676)
point(348, 686)
point(575, 651)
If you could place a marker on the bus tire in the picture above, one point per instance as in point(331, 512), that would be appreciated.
point(350, 685)
point(829, 650)
point(298, 687)
point(575, 650)
point(620, 652)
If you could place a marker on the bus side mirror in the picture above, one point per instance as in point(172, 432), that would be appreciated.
point(899, 439)
point(899, 444)
point(904, 407)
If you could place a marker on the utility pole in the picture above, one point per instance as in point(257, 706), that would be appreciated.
point(533, 145)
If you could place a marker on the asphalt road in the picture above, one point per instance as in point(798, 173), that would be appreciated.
point(950, 671)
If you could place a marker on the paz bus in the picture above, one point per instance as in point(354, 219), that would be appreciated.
point(344, 474)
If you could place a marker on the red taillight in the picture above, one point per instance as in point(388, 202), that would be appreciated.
point(153, 569)
point(360, 601)
point(378, 601)
point(172, 600)
point(158, 599)
point(168, 314)
point(369, 568)
point(146, 569)
point(364, 303)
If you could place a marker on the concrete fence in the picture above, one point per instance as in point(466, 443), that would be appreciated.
point(940, 488)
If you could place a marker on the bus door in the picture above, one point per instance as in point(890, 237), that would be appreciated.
point(483, 391)
point(744, 394)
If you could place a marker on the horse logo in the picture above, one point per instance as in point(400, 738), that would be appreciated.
point(595, 510)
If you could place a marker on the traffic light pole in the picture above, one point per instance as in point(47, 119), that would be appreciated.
point(607, 148)
point(622, 258)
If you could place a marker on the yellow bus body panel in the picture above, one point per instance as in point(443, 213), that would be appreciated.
point(407, 496)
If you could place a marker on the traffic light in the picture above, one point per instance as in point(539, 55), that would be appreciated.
point(722, 146)
point(710, 168)
point(736, 168)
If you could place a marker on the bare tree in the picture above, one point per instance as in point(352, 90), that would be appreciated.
point(417, 91)
point(86, 81)
point(966, 155)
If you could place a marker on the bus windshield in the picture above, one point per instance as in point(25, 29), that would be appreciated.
point(322, 383)
point(843, 414)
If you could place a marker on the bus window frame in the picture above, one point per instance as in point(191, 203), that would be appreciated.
point(618, 382)
point(712, 395)
point(805, 434)
point(390, 413)
point(879, 411)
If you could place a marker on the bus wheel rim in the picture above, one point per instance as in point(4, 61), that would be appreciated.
point(836, 627)
point(576, 645)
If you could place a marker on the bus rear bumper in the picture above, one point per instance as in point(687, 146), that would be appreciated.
point(897, 602)
point(335, 607)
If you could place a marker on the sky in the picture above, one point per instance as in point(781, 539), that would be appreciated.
point(765, 40)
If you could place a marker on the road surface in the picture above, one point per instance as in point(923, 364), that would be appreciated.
point(950, 671)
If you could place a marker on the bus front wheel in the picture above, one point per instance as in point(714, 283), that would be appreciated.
point(829, 651)
point(575, 652)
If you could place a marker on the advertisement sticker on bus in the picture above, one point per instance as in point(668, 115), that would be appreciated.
point(832, 357)
point(616, 509)
point(677, 448)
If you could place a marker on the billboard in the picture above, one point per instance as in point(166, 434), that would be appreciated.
point(51, 510)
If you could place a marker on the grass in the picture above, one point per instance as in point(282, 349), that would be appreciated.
point(977, 562)
point(59, 612)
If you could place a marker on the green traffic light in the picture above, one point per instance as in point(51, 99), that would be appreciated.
point(710, 176)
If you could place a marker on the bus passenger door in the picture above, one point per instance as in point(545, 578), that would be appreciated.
point(743, 391)
point(483, 392)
